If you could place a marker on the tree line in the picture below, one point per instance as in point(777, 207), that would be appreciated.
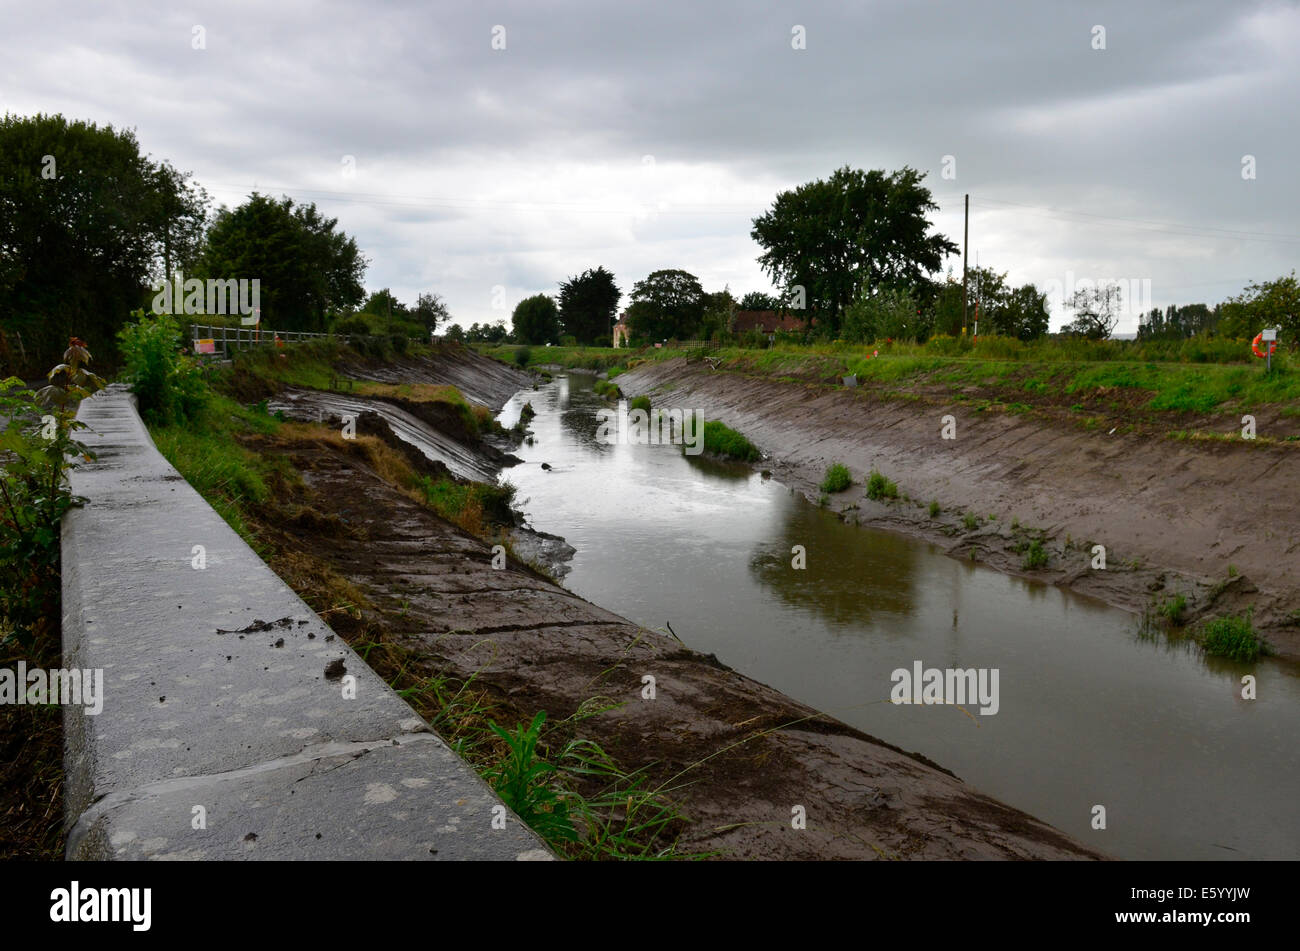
point(89, 226)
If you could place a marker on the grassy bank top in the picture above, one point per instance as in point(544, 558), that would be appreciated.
point(1079, 377)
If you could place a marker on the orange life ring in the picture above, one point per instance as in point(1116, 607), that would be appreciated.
point(1254, 346)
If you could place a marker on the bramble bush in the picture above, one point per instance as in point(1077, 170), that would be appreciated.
point(37, 445)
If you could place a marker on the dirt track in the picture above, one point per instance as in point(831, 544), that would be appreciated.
point(1172, 515)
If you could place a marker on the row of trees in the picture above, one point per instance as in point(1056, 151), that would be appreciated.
point(85, 221)
point(1273, 303)
point(90, 228)
point(88, 225)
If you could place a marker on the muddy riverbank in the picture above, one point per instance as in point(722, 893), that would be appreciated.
point(744, 763)
point(1213, 521)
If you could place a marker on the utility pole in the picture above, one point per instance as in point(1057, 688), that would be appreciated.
point(965, 240)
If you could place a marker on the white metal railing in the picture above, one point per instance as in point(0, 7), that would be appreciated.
point(226, 339)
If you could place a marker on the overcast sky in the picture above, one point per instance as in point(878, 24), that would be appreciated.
point(646, 136)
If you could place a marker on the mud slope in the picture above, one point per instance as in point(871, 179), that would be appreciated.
point(1172, 515)
point(479, 379)
point(746, 753)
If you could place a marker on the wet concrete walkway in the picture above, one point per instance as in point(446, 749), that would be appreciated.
point(235, 724)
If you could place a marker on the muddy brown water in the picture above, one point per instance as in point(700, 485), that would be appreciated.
point(1091, 711)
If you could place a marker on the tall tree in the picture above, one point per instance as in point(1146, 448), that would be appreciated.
point(431, 310)
point(307, 269)
point(383, 303)
point(588, 304)
point(1096, 311)
point(1273, 303)
point(852, 232)
point(84, 220)
point(719, 313)
point(536, 319)
point(757, 300)
point(667, 304)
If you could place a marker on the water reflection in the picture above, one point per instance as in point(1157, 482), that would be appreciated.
point(1090, 710)
point(852, 579)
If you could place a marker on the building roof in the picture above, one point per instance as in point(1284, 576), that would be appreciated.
point(768, 321)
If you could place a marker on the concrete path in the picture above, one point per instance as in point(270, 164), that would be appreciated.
point(235, 724)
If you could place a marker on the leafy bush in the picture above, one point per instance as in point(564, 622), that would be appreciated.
point(348, 326)
point(1035, 557)
point(878, 487)
point(36, 444)
point(934, 508)
point(370, 345)
point(398, 342)
point(608, 390)
point(837, 479)
point(722, 440)
point(1233, 637)
point(166, 381)
point(640, 402)
point(522, 356)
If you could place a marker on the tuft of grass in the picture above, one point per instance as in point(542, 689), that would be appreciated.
point(934, 508)
point(1232, 636)
point(639, 402)
point(477, 507)
point(878, 487)
point(1035, 556)
point(837, 478)
point(722, 440)
point(608, 390)
point(1172, 609)
point(971, 521)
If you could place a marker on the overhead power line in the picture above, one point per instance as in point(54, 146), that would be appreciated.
point(400, 200)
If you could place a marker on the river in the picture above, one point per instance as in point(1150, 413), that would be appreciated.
point(1091, 710)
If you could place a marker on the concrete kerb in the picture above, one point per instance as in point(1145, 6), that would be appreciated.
point(222, 734)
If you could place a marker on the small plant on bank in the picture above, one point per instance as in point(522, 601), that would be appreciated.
point(608, 390)
point(971, 521)
point(1035, 556)
point(1172, 609)
point(522, 356)
point(878, 487)
point(524, 781)
point(167, 383)
point(721, 440)
point(36, 445)
point(1232, 636)
point(934, 508)
point(640, 402)
point(837, 478)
